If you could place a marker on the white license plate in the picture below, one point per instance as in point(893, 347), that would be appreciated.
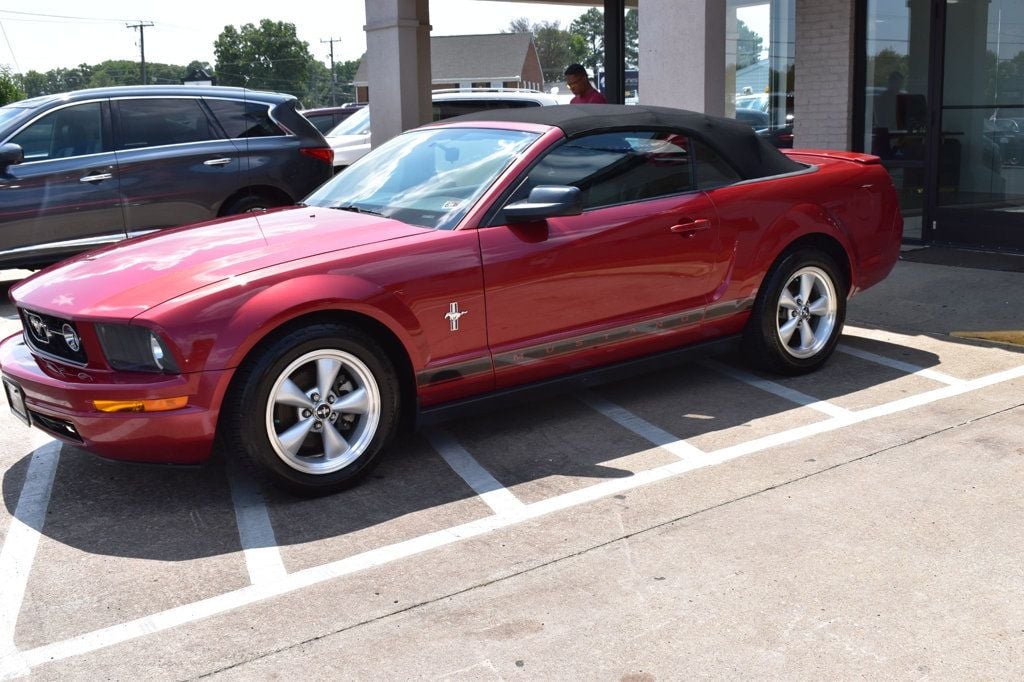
point(16, 399)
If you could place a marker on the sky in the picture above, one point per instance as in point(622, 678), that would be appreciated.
point(185, 30)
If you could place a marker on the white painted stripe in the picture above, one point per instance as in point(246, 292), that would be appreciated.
point(223, 603)
point(497, 497)
point(19, 549)
point(256, 533)
point(774, 388)
point(932, 374)
point(639, 426)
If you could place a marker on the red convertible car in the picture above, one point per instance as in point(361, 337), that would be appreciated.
point(485, 256)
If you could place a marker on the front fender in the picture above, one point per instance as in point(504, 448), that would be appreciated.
point(217, 329)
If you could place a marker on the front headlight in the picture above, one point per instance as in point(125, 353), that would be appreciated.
point(135, 349)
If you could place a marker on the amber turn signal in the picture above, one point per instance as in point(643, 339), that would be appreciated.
point(161, 405)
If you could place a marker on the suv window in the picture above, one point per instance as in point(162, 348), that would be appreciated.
point(448, 108)
point(244, 119)
point(152, 122)
point(71, 131)
point(616, 168)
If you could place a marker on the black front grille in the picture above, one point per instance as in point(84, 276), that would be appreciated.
point(53, 336)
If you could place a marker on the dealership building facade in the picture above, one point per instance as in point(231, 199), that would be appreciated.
point(933, 87)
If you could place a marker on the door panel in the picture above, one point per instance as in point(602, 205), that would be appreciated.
point(580, 291)
point(64, 198)
point(175, 168)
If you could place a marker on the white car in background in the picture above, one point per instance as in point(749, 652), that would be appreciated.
point(350, 139)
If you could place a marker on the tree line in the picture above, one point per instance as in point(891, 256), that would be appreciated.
point(270, 56)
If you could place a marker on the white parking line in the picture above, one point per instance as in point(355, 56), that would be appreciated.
point(228, 601)
point(262, 556)
point(639, 426)
point(497, 497)
point(789, 394)
point(932, 374)
point(19, 549)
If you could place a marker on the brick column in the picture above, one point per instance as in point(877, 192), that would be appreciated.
point(823, 108)
point(397, 66)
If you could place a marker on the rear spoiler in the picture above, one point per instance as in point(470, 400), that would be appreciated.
point(856, 157)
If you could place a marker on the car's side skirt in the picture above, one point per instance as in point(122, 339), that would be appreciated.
point(572, 382)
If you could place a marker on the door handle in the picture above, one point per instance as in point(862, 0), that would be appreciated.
point(688, 228)
point(217, 162)
point(97, 177)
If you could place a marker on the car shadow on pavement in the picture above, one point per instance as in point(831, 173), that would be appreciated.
point(535, 450)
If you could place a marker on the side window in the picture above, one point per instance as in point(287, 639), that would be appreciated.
point(712, 169)
point(152, 122)
point(71, 131)
point(616, 168)
point(244, 119)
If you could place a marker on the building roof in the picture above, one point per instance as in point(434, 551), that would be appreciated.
point(486, 57)
point(734, 140)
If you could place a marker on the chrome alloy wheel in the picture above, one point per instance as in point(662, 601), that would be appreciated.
point(323, 411)
point(807, 310)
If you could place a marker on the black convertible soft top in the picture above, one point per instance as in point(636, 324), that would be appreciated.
point(736, 142)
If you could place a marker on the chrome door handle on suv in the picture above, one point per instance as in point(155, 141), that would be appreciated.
point(217, 162)
point(97, 177)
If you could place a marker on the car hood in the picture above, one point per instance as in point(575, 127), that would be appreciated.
point(127, 279)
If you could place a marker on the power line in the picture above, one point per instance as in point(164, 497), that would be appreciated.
point(58, 16)
point(13, 58)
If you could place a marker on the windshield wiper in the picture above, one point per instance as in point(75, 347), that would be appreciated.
point(357, 209)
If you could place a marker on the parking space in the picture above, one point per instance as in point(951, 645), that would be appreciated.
point(100, 556)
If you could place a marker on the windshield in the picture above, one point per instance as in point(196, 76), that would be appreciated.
point(427, 177)
point(356, 124)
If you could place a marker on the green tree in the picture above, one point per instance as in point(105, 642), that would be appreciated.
point(589, 27)
point(632, 38)
point(10, 90)
point(266, 57)
point(884, 63)
point(748, 45)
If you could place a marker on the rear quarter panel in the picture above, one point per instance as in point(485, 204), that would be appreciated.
point(851, 202)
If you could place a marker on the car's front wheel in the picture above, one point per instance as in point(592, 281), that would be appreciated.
point(314, 409)
point(798, 315)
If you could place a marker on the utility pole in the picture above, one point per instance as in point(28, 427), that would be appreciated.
point(334, 78)
point(142, 43)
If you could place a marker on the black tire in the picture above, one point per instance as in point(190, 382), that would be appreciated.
point(276, 418)
point(785, 333)
point(248, 203)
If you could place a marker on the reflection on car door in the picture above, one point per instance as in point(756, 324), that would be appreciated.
point(64, 196)
point(632, 273)
point(176, 165)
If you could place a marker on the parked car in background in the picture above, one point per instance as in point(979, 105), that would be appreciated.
point(90, 167)
point(1008, 134)
point(325, 118)
point(351, 139)
point(486, 255)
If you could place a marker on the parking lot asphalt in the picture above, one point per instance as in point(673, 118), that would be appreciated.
point(864, 521)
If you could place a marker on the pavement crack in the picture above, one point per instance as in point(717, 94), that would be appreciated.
point(613, 541)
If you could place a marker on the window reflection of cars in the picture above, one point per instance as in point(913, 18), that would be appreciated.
point(82, 169)
point(1008, 134)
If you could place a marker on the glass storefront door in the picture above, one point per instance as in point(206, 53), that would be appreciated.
point(896, 89)
point(979, 193)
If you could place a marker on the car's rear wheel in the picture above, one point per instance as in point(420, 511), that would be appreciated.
point(314, 409)
point(798, 315)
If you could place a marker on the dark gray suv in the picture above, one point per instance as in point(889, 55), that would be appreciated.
point(87, 168)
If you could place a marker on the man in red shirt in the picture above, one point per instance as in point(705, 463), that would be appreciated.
point(578, 82)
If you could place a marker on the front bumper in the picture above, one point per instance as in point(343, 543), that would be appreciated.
point(59, 399)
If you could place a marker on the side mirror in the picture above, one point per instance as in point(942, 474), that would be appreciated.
point(11, 154)
point(546, 201)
